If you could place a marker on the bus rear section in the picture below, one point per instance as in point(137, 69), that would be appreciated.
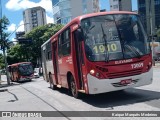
point(22, 71)
point(47, 64)
point(101, 52)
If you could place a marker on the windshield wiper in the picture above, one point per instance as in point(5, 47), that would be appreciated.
point(134, 50)
point(120, 36)
point(106, 45)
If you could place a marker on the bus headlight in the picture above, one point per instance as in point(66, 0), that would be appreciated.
point(92, 72)
point(149, 66)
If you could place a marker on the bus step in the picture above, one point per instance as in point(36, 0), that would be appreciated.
point(59, 86)
point(82, 91)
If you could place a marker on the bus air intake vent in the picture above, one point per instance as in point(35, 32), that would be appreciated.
point(102, 69)
point(124, 74)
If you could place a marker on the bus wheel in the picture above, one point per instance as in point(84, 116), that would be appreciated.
point(11, 79)
point(52, 86)
point(73, 88)
point(17, 80)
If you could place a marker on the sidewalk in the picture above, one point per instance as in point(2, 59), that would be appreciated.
point(157, 65)
point(3, 83)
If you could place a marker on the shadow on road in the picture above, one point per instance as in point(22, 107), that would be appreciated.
point(6, 85)
point(14, 95)
point(13, 84)
point(118, 98)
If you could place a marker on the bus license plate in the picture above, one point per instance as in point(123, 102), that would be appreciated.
point(126, 82)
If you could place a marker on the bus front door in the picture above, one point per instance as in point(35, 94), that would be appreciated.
point(79, 61)
point(55, 63)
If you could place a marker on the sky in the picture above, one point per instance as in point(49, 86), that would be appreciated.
point(13, 10)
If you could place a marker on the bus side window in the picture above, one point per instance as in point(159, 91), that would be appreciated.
point(66, 47)
point(48, 51)
point(59, 46)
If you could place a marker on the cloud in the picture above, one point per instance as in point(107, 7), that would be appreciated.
point(16, 5)
point(12, 27)
point(24, 4)
point(20, 27)
point(49, 19)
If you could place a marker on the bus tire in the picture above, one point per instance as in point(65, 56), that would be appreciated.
point(52, 86)
point(11, 79)
point(73, 88)
point(17, 80)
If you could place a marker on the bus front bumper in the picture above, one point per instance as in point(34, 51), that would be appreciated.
point(25, 79)
point(96, 86)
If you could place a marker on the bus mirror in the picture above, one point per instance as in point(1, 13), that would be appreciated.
point(79, 34)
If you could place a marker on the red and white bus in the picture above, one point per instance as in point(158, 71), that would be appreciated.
point(98, 53)
point(22, 71)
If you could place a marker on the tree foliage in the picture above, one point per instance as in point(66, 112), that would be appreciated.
point(32, 51)
point(40, 35)
point(16, 54)
point(2, 65)
point(4, 22)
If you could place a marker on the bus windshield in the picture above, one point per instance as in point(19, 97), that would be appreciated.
point(25, 69)
point(114, 37)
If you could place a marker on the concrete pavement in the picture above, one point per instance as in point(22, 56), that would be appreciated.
point(37, 96)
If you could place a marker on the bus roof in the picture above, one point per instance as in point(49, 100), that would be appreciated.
point(15, 64)
point(79, 18)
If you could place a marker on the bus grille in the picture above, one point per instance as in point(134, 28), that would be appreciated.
point(124, 74)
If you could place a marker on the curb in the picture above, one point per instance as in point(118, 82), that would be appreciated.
point(158, 66)
point(1, 81)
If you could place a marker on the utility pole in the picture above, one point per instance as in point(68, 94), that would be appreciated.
point(6, 64)
point(3, 44)
point(151, 29)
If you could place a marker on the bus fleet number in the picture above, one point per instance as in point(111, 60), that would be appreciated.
point(102, 48)
point(138, 65)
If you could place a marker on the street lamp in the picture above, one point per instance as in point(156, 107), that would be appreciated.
point(151, 28)
point(17, 29)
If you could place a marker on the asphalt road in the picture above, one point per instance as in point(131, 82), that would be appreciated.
point(37, 96)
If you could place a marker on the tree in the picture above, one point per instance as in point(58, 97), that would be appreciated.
point(4, 22)
point(40, 35)
point(32, 51)
point(2, 65)
point(16, 54)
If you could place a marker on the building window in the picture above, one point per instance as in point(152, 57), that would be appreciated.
point(157, 2)
point(84, 6)
point(141, 5)
point(115, 6)
point(84, 9)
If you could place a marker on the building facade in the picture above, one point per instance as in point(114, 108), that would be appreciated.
point(65, 10)
point(149, 11)
point(120, 5)
point(34, 17)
